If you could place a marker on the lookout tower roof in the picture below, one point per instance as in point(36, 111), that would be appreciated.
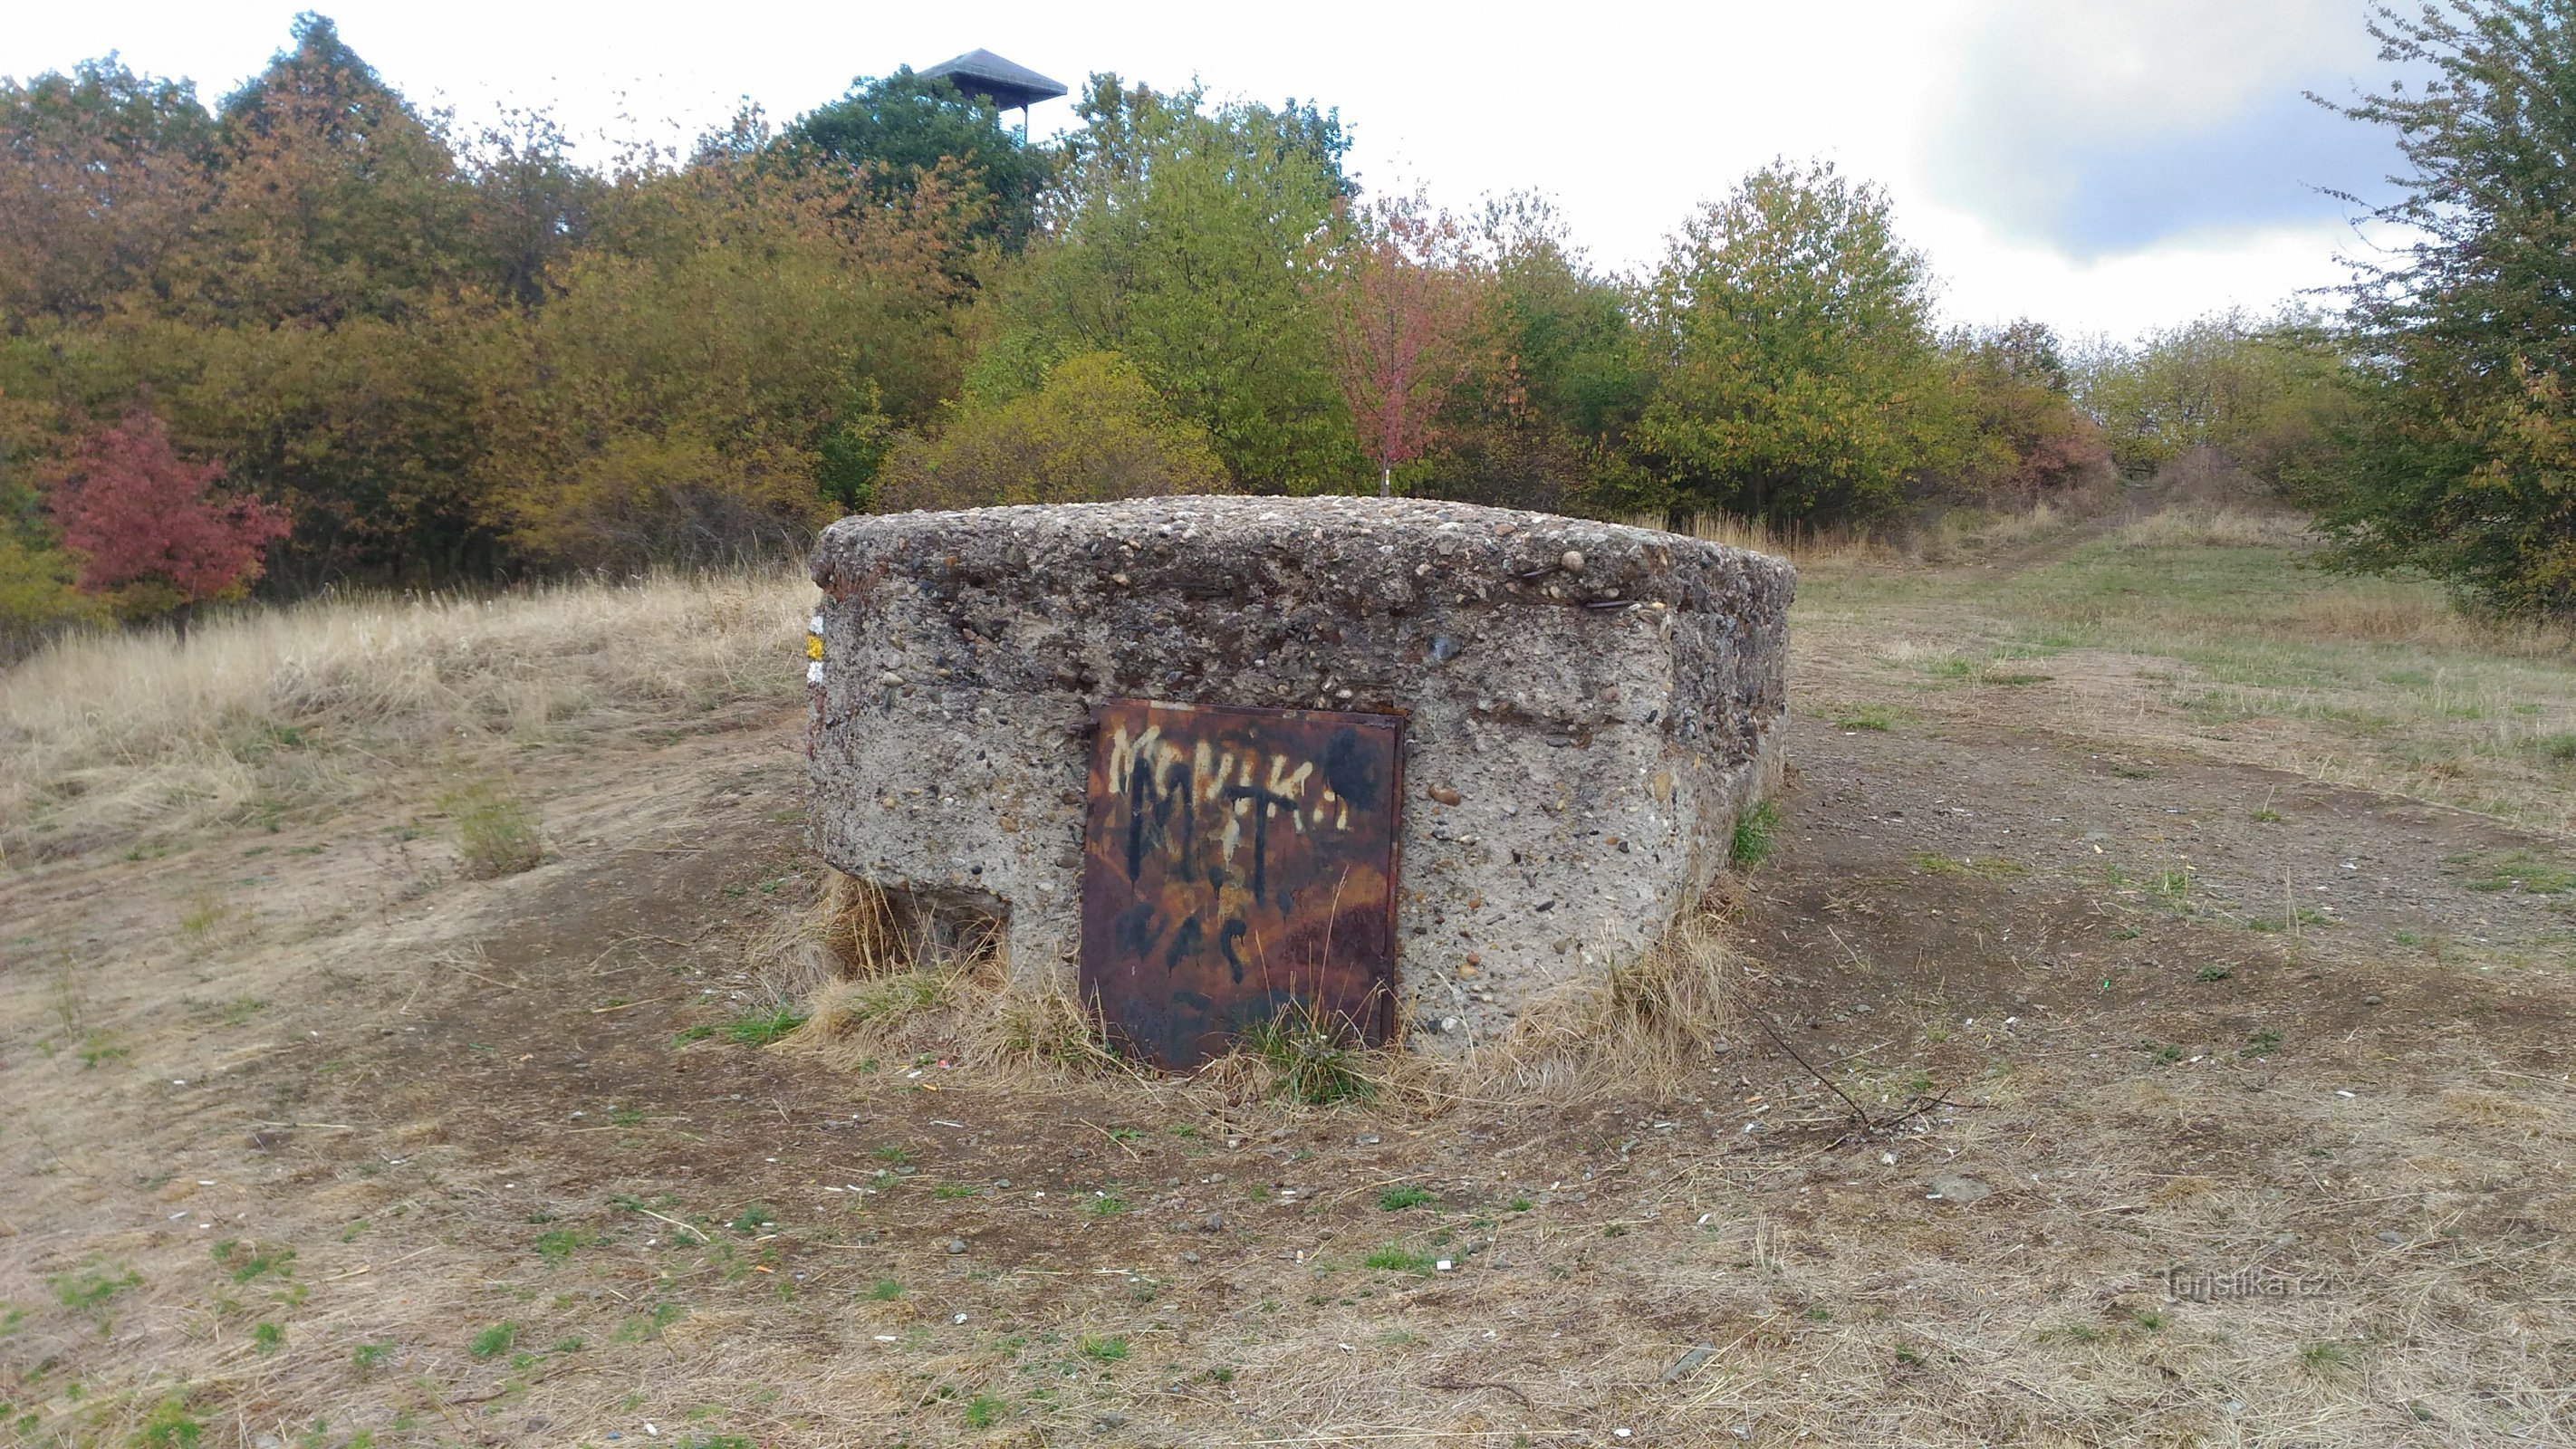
point(1008, 85)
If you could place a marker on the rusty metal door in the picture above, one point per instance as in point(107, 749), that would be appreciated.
point(1236, 861)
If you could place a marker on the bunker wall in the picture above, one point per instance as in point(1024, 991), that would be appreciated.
point(1589, 708)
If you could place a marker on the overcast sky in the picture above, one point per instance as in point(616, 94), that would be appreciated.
point(2104, 165)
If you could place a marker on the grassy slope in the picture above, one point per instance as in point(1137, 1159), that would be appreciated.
point(222, 925)
point(2207, 630)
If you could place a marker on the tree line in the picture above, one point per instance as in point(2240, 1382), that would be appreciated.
point(314, 335)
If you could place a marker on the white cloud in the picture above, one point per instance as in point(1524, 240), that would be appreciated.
point(2099, 129)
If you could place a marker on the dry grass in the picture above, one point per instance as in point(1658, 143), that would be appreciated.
point(1949, 536)
point(1646, 1027)
point(492, 1067)
point(2378, 611)
point(877, 987)
point(142, 737)
point(2215, 525)
point(877, 983)
point(1802, 546)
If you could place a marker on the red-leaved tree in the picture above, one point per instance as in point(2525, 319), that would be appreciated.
point(1401, 305)
point(151, 538)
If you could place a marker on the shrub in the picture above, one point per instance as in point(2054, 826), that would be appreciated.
point(1094, 431)
point(495, 830)
point(37, 599)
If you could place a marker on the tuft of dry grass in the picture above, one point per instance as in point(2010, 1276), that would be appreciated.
point(496, 831)
point(1648, 1026)
point(879, 981)
point(146, 736)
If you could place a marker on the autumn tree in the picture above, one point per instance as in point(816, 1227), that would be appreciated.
point(150, 536)
point(1399, 303)
point(1790, 332)
point(2014, 433)
point(2268, 394)
point(720, 367)
point(333, 196)
point(101, 172)
point(529, 206)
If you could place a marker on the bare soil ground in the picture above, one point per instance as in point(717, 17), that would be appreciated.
point(2263, 1113)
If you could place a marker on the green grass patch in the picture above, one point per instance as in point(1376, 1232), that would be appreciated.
point(1875, 718)
point(1397, 1199)
point(1394, 1259)
point(170, 1426)
point(92, 1287)
point(1991, 867)
point(2519, 870)
point(559, 1246)
point(247, 1261)
point(762, 1028)
point(1755, 836)
point(494, 1341)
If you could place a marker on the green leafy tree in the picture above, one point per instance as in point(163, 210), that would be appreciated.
point(1095, 431)
point(902, 126)
point(1797, 370)
point(1183, 237)
point(1554, 378)
point(37, 589)
point(2465, 466)
point(1563, 328)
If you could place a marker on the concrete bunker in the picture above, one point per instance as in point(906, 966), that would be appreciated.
point(1585, 711)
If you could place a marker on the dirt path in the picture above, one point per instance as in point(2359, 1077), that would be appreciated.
point(2308, 1044)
